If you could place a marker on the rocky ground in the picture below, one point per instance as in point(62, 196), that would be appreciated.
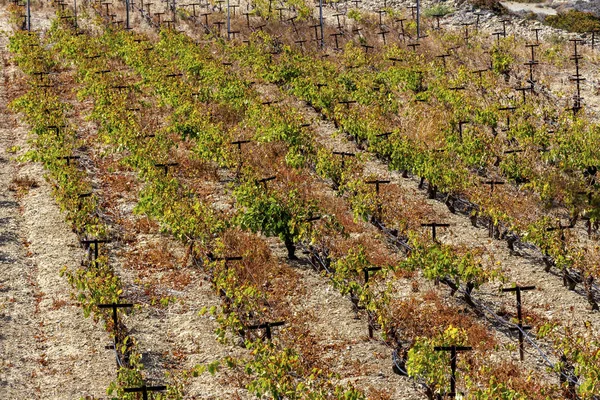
point(580, 5)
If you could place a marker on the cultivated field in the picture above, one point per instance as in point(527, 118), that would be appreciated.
point(243, 201)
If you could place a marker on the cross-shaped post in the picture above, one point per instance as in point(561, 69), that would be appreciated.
point(265, 180)
point(95, 242)
point(576, 57)
point(577, 78)
point(493, 184)
point(292, 20)
point(384, 135)
point(233, 8)
point(531, 64)
point(247, 15)
point(337, 16)
point(524, 90)
point(537, 34)
point(239, 144)
point(68, 159)
point(82, 196)
point(520, 327)
point(414, 46)
point(511, 109)
point(159, 15)
point(41, 75)
point(383, 33)
point(577, 100)
point(513, 151)
point(480, 73)
point(45, 87)
point(466, 25)
point(120, 87)
point(336, 35)
point(367, 47)
point(594, 38)
point(504, 21)
point(347, 103)
point(478, 15)
point(560, 228)
point(56, 128)
point(377, 183)
point(219, 24)
point(453, 352)
point(437, 18)
point(381, 13)
point(144, 390)
point(269, 102)
point(460, 129)
point(443, 57)
point(344, 155)
point(532, 46)
point(194, 7)
point(402, 32)
point(497, 34)
point(205, 15)
point(413, 9)
point(366, 272)
point(318, 39)
point(107, 3)
point(226, 259)
point(280, 9)
point(312, 219)
point(114, 307)
point(267, 327)
point(301, 43)
point(165, 166)
point(434, 226)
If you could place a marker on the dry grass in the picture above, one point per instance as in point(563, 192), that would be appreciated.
point(22, 185)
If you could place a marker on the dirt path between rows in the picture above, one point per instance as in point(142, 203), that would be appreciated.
point(49, 350)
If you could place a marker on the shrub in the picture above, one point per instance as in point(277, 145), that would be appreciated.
point(355, 15)
point(438, 10)
point(490, 4)
point(574, 21)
